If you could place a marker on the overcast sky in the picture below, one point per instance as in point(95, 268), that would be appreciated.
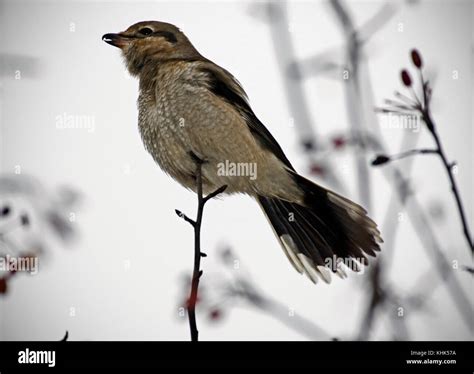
point(123, 278)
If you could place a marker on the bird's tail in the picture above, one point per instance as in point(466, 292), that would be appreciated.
point(326, 233)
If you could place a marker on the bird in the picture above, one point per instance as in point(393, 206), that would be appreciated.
point(192, 110)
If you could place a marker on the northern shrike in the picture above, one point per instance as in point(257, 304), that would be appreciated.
point(190, 107)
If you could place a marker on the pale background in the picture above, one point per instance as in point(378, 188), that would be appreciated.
point(123, 277)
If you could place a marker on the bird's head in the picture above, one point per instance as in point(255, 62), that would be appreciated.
point(151, 42)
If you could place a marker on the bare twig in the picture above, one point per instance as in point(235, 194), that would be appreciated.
point(353, 51)
point(382, 159)
point(377, 298)
point(66, 337)
point(354, 59)
point(294, 321)
point(298, 103)
point(449, 170)
point(242, 287)
point(196, 224)
point(407, 197)
point(390, 225)
point(423, 109)
point(354, 44)
point(359, 93)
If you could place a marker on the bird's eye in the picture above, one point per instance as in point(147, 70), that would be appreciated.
point(146, 31)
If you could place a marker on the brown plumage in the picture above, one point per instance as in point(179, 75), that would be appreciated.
point(190, 107)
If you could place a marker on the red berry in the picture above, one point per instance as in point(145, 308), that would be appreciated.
point(215, 314)
point(3, 285)
point(416, 58)
point(317, 169)
point(406, 78)
point(339, 142)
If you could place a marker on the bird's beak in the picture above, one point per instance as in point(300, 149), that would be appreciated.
point(117, 40)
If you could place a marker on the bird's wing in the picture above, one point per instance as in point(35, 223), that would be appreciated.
point(223, 84)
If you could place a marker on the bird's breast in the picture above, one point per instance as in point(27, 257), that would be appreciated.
point(165, 135)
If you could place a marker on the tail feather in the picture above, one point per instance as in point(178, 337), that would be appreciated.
point(325, 231)
point(281, 231)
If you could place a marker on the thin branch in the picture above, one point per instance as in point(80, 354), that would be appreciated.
point(415, 211)
point(296, 322)
point(376, 301)
point(389, 226)
point(449, 169)
point(427, 236)
point(424, 110)
point(354, 99)
point(66, 337)
point(196, 224)
point(243, 287)
point(299, 106)
point(383, 159)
